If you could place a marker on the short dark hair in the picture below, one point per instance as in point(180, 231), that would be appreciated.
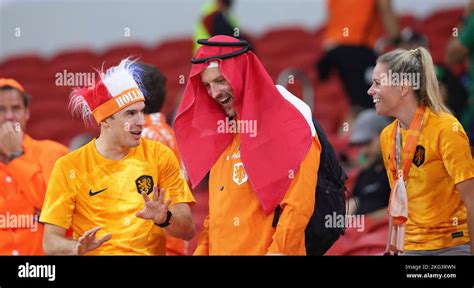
point(155, 85)
point(25, 96)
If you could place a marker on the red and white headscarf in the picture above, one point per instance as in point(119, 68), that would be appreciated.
point(118, 88)
point(283, 137)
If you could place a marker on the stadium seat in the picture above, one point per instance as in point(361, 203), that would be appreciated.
point(74, 57)
point(172, 53)
point(449, 17)
point(368, 244)
point(284, 41)
point(114, 54)
point(29, 60)
point(408, 20)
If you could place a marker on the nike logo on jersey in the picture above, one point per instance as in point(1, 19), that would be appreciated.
point(97, 192)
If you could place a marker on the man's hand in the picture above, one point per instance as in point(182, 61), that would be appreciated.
point(11, 137)
point(155, 209)
point(87, 242)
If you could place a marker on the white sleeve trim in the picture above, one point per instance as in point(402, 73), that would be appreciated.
point(300, 105)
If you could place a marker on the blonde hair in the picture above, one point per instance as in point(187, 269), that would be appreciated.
point(417, 62)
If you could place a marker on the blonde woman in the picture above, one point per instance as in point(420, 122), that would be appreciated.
point(427, 157)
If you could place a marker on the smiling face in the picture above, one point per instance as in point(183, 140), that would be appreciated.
point(126, 126)
point(219, 89)
point(387, 98)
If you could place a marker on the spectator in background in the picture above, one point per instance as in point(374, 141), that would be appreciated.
point(217, 19)
point(371, 190)
point(25, 167)
point(350, 41)
point(157, 129)
point(458, 50)
point(410, 39)
point(452, 91)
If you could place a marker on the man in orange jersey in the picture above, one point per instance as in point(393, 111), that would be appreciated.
point(102, 188)
point(157, 129)
point(261, 148)
point(25, 166)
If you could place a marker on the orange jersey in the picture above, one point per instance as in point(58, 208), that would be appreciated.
point(157, 129)
point(88, 190)
point(23, 183)
point(361, 28)
point(436, 214)
point(237, 224)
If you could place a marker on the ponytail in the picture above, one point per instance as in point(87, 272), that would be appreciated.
point(432, 97)
point(417, 62)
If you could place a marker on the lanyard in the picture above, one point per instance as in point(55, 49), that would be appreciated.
point(408, 150)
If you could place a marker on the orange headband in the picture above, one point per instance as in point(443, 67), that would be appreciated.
point(119, 102)
point(12, 83)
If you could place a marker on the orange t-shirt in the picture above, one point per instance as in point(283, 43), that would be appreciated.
point(157, 129)
point(88, 190)
point(436, 214)
point(23, 183)
point(352, 22)
point(237, 224)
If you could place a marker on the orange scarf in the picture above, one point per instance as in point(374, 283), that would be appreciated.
point(398, 204)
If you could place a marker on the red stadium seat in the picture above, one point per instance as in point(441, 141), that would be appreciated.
point(24, 73)
point(284, 42)
point(445, 17)
point(56, 128)
point(409, 20)
point(30, 60)
point(344, 242)
point(85, 57)
point(173, 53)
point(369, 244)
point(370, 241)
point(113, 55)
point(23, 68)
point(40, 90)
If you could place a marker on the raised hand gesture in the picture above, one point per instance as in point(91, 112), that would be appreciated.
point(88, 242)
point(155, 209)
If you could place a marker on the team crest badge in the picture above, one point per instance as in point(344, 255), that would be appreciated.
point(240, 176)
point(144, 184)
point(419, 157)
